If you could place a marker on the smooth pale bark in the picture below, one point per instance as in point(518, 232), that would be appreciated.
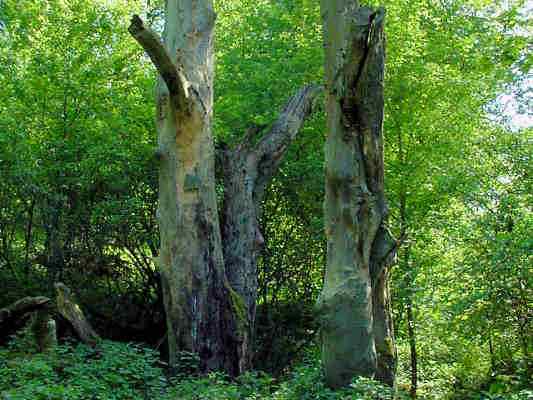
point(248, 169)
point(359, 245)
point(201, 308)
point(208, 314)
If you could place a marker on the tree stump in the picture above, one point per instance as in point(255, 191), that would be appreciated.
point(72, 312)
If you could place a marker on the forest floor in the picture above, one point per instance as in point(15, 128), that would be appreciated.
point(127, 371)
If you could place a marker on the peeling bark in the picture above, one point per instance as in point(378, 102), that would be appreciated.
point(354, 305)
point(248, 169)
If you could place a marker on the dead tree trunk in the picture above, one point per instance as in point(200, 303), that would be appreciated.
point(207, 314)
point(356, 324)
point(201, 307)
point(248, 169)
point(69, 309)
point(14, 317)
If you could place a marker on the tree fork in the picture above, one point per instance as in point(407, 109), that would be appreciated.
point(206, 313)
point(248, 169)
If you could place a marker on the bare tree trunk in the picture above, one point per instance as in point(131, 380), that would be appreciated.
point(208, 314)
point(248, 169)
point(72, 312)
point(355, 207)
point(202, 310)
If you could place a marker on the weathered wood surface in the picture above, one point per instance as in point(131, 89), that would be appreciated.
point(72, 312)
point(357, 335)
point(209, 290)
point(201, 308)
point(21, 307)
point(14, 316)
point(248, 169)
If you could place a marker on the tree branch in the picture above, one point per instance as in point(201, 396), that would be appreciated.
point(249, 138)
point(271, 148)
point(176, 82)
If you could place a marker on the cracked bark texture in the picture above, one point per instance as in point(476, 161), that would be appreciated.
point(248, 169)
point(354, 305)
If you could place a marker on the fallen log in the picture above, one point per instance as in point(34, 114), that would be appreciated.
point(21, 307)
point(14, 316)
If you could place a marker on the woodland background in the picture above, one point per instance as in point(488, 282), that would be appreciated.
point(79, 185)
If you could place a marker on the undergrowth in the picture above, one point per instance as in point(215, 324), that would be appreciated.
point(125, 371)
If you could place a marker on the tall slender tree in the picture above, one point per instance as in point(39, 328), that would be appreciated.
point(357, 335)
